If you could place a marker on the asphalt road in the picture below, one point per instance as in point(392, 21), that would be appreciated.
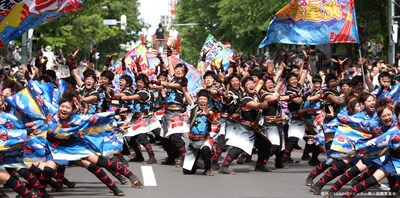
point(169, 182)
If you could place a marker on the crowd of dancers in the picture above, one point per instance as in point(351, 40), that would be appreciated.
point(48, 123)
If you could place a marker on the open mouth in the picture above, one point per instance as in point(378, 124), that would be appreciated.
point(387, 122)
point(372, 108)
point(63, 114)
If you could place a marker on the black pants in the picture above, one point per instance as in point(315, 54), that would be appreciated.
point(263, 146)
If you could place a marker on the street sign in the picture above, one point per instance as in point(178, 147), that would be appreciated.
point(110, 22)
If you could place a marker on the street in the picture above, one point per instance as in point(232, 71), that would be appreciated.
point(171, 183)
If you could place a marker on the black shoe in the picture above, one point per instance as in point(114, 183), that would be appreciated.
point(137, 159)
point(215, 166)
point(69, 183)
point(309, 181)
point(208, 173)
point(123, 160)
point(262, 169)
point(305, 157)
point(316, 190)
point(240, 159)
point(118, 192)
point(248, 159)
point(179, 162)
point(137, 184)
point(331, 194)
point(122, 179)
point(280, 165)
point(44, 194)
point(289, 160)
point(297, 147)
point(58, 187)
point(168, 161)
point(226, 170)
point(151, 160)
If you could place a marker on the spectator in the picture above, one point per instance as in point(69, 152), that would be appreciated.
point(172, 37)
point(51, 58)
point(160, 36)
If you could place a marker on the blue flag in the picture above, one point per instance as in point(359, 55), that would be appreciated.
point(314, 23)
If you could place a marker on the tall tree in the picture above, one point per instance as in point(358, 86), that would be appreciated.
point(202, 12)
point(84, 28)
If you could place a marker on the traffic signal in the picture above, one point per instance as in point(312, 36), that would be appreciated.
point(123, 22)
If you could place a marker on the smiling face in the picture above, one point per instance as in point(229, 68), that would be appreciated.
point(202, 101)
point(89, 83)
point(178, 72)
point(235, 83)
point(317, 85)
point(65, 110)
point(139, 85)
point(104, 80)
point(7, 92)
point(249, 87)
point(370, 105)
point(269, 85)
point(293, 81)
point(122, 84)
point(345, 88)
point(386, 117)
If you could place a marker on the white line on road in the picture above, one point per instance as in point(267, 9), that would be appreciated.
point(384, 187)
point(148, 176)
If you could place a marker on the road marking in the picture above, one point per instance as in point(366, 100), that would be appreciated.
point(384, 187)
point(148, 176)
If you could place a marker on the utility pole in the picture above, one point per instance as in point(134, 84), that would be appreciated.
point(392, 30)
point(24, 46)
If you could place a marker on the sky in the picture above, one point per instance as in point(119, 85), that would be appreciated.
point(151, 11)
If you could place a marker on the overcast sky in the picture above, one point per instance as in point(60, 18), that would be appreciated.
point(151, 10)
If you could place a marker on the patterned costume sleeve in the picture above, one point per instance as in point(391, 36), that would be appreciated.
point(44, 93)
point(26, 104)
point(96, 123)
point(358, 121)
point(12, 132)
point(377, 146)
point(14, 136)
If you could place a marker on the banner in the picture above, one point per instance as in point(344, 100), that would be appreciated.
point(313, 23)
point(217, 52)
point(130, 57)
point(18, 16)
point(193, 76)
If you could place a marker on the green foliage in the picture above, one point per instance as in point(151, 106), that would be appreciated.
point(81, 29)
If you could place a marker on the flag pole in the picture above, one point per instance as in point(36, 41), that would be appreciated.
point(362, 66)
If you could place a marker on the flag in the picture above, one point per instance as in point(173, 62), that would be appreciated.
point(217, 51)
point(193, 76)
point(141, 51)
point(26, 104)
point(314, 23)
point(18, 16)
